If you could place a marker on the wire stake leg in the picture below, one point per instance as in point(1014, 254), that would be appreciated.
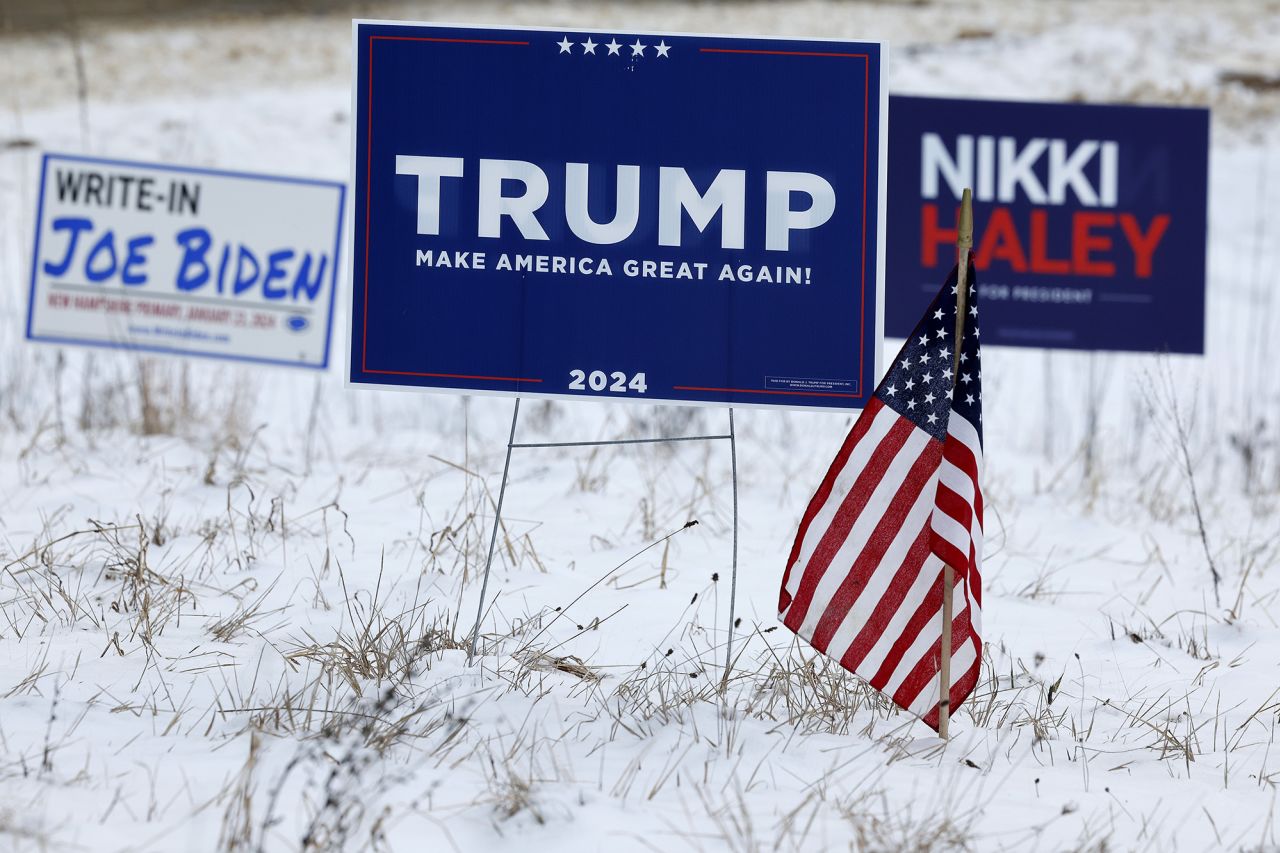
point(493, 537)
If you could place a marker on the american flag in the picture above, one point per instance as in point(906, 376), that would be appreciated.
point(864, 581)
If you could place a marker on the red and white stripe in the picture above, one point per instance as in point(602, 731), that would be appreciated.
point(957, 540)
point(864, 579)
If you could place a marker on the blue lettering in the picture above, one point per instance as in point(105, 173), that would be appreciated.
point(75, 225)
point(242, 284)
point(195, 242)
point(135, 258)
point(300, 282)
point(222, 269)
point(106, 243)
point(275, 271)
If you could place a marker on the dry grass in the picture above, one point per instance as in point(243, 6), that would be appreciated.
point(335, 697)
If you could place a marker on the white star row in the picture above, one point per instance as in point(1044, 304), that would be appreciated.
point(944, 376)
point(928, 397)
point(942, 333)
point(638, 49)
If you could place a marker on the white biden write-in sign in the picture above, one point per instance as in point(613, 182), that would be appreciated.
point(185, 261)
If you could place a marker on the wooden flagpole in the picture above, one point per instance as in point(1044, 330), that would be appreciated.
point(964, 243)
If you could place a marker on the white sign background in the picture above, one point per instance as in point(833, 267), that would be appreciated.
point(248, 218)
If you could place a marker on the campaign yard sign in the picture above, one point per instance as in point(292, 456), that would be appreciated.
point(1090, 221)
point(618, 215)
point(185, 261)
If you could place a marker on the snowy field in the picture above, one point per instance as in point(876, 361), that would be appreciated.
point(234, 602)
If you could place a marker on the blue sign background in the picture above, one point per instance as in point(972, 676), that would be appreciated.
point(710, 103)
point(1162, 170)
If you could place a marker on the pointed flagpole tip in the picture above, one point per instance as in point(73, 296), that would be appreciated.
point(964, 231)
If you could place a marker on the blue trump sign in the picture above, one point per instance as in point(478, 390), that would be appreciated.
point(1090, 221)
point(619, 215)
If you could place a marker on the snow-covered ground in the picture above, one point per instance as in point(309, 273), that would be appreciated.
point(234, 603)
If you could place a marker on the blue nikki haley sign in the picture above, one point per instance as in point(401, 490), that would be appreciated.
point(1089, 221)
point(663, 217)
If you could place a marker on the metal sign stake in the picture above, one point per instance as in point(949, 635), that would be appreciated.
point(493, 537)
point(731, 437)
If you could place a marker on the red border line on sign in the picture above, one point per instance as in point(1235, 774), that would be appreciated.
point(866, 114)
point(782, 52)
point(447, 41)
point(764, 391)
point(368, 195)
point(451, 375)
